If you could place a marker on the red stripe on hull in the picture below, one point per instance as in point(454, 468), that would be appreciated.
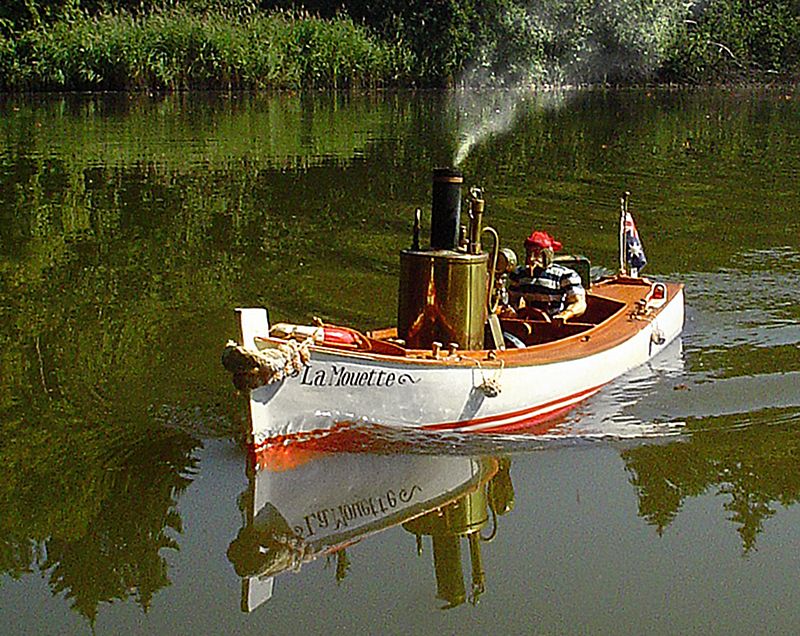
point(338, 436)
point(537, 425)
point(536, 413)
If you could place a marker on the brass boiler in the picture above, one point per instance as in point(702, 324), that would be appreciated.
point(443, 290)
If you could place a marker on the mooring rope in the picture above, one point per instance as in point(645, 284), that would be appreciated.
point(490, 386)
point(252, 369)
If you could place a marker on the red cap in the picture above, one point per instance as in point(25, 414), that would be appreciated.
point(542, 240)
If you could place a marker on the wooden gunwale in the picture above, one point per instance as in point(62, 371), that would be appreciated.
point(609, 333)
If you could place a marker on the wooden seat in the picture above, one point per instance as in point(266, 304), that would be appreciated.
point(534, 332)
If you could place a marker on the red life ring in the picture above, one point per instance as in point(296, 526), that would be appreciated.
point(342, 337)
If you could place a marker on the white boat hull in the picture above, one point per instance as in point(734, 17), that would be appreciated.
point(337, 388)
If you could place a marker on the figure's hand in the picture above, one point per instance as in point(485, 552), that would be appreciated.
point(561, 318)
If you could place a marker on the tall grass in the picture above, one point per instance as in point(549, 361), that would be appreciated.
point(176, 49)
point(236, 44)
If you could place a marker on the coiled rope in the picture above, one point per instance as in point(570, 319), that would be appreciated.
point(490, 385)
point(252, 369)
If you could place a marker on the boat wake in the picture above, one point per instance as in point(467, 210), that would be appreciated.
point(625, 410)
point(197, 422)
point(741, 344)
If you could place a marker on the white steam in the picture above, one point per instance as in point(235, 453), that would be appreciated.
point(615, 38)
point(483, 114)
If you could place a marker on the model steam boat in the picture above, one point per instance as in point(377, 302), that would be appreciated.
point(459, 359)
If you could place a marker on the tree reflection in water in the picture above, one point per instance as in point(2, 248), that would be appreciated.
point(130, 223)
point(95, 527)
point(753, 460)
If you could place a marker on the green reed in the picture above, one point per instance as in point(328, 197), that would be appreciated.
point(243, 44)
point(178, 49)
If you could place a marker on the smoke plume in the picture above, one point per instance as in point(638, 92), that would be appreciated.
point(553, 44)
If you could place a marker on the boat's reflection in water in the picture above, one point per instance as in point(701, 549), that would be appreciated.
point(316, 498)
point(301, 505)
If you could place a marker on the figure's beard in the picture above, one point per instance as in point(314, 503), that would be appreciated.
point(535, 267)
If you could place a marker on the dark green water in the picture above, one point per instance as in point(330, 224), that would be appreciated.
point(130, 228)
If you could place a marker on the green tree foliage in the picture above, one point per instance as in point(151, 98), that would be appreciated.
point(17, 15)
point(441, 34)
point(737, 38)
point(93, 44)
point(502, 41)
point(585, 41)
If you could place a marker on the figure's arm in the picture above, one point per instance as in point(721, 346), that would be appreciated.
point(576, 305)
point(574, 296)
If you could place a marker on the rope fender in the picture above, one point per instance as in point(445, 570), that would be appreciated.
point(252, 369)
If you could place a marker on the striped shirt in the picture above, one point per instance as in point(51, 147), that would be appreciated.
point(551, 289)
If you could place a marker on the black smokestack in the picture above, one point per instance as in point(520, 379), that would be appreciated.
point(446, 210)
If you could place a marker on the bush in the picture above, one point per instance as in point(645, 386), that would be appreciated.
point(736, 38)
point(236, 44)
point(177, 49)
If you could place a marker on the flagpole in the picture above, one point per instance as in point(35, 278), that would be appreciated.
point(623, 209)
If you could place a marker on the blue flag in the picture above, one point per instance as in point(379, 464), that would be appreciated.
point(634, 252)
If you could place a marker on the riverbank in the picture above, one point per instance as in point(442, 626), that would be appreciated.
point(210, 45)
point(178, 50)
